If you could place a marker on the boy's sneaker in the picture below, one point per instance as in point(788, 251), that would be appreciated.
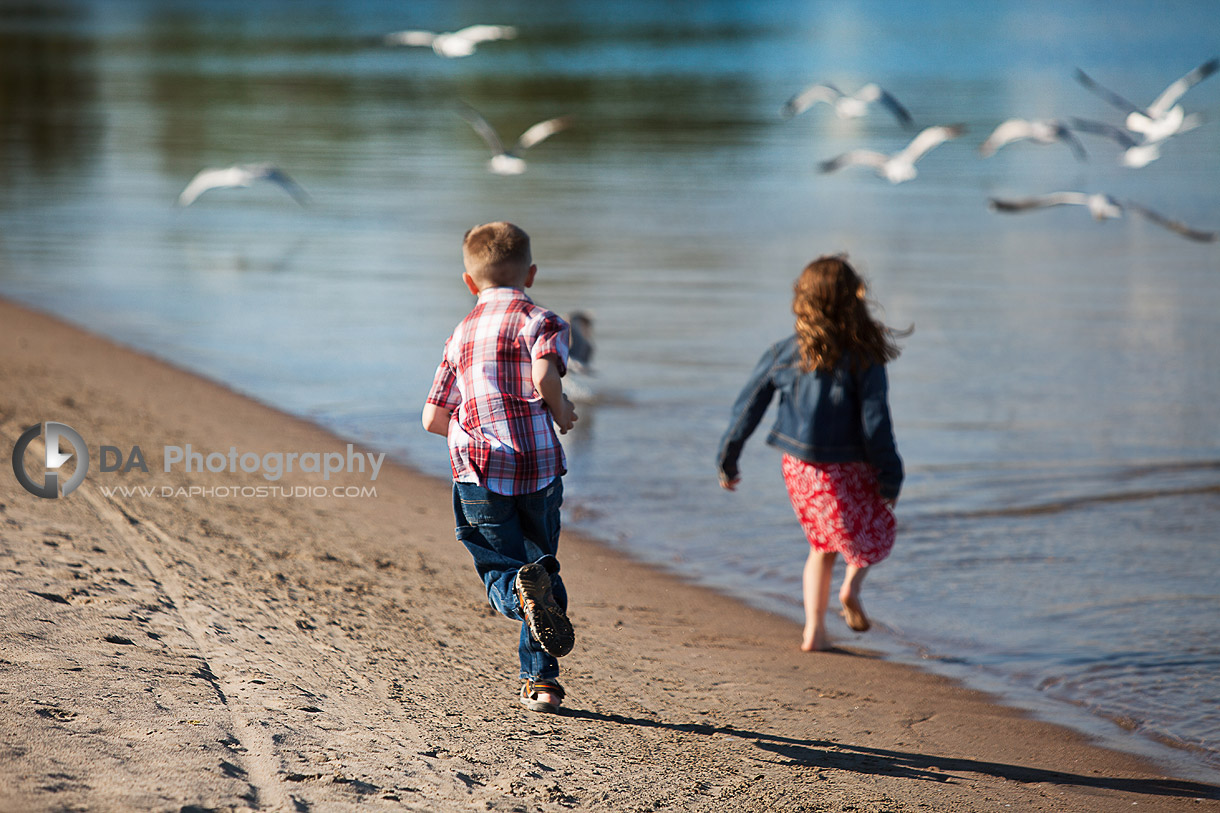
point(546, 620)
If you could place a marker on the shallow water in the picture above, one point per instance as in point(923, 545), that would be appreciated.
point(1056, 405)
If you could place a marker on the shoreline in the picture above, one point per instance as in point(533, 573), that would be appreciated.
point(280, 654)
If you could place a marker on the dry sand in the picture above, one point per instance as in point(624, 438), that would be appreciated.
point(196, 653)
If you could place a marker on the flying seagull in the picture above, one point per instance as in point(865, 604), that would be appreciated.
point(900, 166)
point(240, 175)
point(1102, 207)
point(846, 107)
point(454, 43)
point(1137, 152)
point(510, 162)
point(1042, 131)
point(1164, 117)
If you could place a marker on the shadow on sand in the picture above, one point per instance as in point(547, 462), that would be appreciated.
point(905, 764)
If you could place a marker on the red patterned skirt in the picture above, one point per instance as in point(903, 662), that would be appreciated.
point(840, 509)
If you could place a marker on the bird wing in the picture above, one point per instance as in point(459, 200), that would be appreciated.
point(1190, 122)
point(424, 38)
point(486, 33)
point(927, 139)
point(540, 132)
point(1170, 95)
point(1172, 225)
point(875, 93)
point(1039, 201)
point(1008, 131)
point(807, 98)
point(1066, 135)
point(215, 178)
point(1108, 130)
point(278, 176)
point(866, 158)
point(480, 125)
point(1109, 95)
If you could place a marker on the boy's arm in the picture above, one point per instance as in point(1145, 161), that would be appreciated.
point(436, 419)
point(443, 398)
point(549, 384)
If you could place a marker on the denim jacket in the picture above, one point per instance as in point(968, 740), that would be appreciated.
point(839, 416)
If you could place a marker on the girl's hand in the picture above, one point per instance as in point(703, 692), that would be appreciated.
point(728, 484)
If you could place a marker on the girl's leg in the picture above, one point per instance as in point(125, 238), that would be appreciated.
point(849, 594)
point(818, 569)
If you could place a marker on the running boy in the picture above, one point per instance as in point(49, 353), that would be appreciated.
point(495, 396)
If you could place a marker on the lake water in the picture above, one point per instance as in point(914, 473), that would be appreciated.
point(1058, 405)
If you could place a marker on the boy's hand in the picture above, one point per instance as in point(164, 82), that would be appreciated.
point(545, 372)
point(568, 419)
point(729, 483)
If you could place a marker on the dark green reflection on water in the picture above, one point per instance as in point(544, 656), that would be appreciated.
point(50, 122)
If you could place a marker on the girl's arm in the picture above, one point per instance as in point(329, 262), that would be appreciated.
point(749, 409)
point(878, 428)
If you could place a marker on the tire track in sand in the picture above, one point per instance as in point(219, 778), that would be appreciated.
point(141, 536)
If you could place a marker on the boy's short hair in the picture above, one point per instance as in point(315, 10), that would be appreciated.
point(497, 254)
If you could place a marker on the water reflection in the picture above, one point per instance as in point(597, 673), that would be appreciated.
point(50, 122)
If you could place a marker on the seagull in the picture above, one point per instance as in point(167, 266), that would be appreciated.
point(580, 351)
point(1043, 131)
point(454, 43)
point(1164, 117)
point(510, 162)
point(846, 107)
point(1136, 152)
point(240, 175)
point(899, 166)
point(579, 384)
point(1102, 207)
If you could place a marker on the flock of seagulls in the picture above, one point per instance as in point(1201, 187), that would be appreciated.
point(1144, 132)
point(1140, 138)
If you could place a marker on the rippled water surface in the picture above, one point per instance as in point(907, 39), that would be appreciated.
point(1057, 404)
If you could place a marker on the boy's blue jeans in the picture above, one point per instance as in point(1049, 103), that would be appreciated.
point(503, 533)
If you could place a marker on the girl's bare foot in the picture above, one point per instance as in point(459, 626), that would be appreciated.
point(815, 641)
point(853, 613)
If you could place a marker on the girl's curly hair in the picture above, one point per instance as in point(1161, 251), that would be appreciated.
point(832, 318)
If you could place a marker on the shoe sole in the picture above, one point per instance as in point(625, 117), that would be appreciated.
point(546, 620)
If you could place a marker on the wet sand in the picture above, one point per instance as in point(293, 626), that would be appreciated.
point(322, 653)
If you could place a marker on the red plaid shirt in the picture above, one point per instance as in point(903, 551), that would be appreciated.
point(500, 435)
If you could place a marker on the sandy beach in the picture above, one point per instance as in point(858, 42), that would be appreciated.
point(222, 651)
